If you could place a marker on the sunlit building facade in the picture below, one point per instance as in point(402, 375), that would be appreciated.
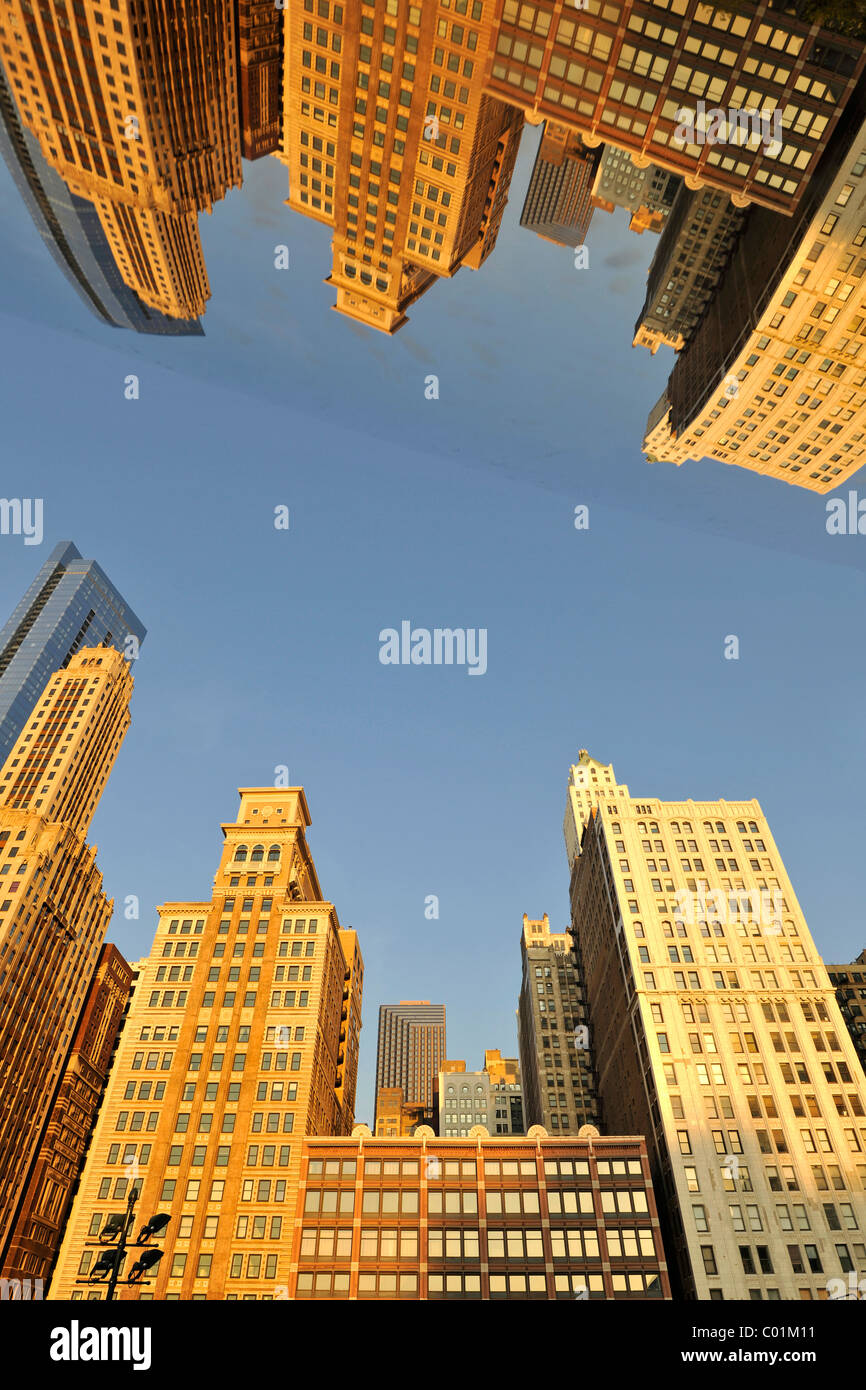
point(717, 1034)
point(242, 1037)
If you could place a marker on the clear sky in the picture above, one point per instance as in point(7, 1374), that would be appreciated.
point(263, 645)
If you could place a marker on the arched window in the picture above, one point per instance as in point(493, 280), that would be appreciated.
point(241, 852)
point(258, 854)
point(273, 853)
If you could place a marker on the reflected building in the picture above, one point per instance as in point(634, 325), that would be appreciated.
point(624, 74)
point(774, 376)
point(391, 140)
point(72, 232)
point(137, 111)
point(260, 66)
point(558, 205)
point(647, 191)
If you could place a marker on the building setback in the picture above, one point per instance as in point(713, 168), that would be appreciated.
point(53, 911)
point(71, 603)
point(556, 1058)
point(242, 1037)
point(717, 1035)
point(477, 1218)
point(35, 1237)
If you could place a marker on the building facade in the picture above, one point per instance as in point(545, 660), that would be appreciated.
point(476, 1218)
point(410, 1049)
point(491, 1097)
point(395, 1119)
point(553, 1036)
point(53, 911)
point(636, 73)
point(647, 192)
point(774, 376)
point(242, 1037)
point(850, 985)
point(71, 603)
point(507, 1092)
point(391, 140)
point(35, 1236)
point(138, 112)
point(558, 204)
point(260, 67)
point(717, 1035)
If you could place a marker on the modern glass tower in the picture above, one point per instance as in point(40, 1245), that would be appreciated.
point(71, 603)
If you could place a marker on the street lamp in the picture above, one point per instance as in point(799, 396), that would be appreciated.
point(115, 1235)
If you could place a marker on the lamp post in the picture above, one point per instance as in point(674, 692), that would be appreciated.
point(111, 1260)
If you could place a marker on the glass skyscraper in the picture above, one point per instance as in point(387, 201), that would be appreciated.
point(71, 603)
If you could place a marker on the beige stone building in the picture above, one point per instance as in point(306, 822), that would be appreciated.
point(717, 1034)
point(242, 1038)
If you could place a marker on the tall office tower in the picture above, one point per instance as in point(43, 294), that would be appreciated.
point(849, 981)
point(390, 140)
point(556, 1055)
point(73, 235)
point(395, 1119)
point(646, 191)
point(506, 1092)
point(486, 1217)
point(636, 73)
point(558, 203)
point(773, 377)
point(693, 250)
point(241, 1038)
point(717, 1035)
point(53, 912)
point(260, 50)
point(410, 1048)
point(34, 1237)
point(150, 134)
point(71, 603)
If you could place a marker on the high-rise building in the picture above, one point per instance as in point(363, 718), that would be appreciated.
point(70, 228)
point(693, 250)
point(849, 982)
point(71, 603)
point(242, 1037)
point(53, 912)
point(717, 1035)
point(646, 191)
point(410, 1048)
point(390, 139)
point(395, 1119)
point(558, 204)
point(556, 1056)
point(540, 1217)
point(773, 377)
point(642, 75)
point(34, 1238)
point(260, 50)
point(150, 134)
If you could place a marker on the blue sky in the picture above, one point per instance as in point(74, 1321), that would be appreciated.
point(262, 645)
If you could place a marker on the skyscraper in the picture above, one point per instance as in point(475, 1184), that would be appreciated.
point(71, 230)
point(558, 204)
point(556, 1057)
point(34, 1238)
point(849, 982)
point(717, 1035)
point(53, 912)
point(631, 74)
point(71, 603)
point(242, 1037)
point(150, 134)
point(390, 138)
point(410, 1048)
point(773, 378)
point(260, 51)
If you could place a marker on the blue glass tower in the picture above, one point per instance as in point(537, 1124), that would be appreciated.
point(70, 604)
